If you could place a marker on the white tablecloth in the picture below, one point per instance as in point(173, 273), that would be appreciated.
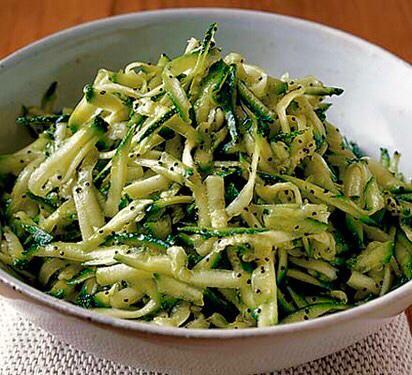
point(27, 350)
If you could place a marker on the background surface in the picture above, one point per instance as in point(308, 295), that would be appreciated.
point(387, 23)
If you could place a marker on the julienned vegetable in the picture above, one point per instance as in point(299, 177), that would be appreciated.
point(200, 192)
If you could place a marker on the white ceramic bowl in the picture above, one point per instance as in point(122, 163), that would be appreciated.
point(375, 111)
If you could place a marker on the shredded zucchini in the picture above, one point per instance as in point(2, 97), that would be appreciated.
point(200, 192)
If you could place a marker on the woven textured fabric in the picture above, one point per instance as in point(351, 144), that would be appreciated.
point(27, 350)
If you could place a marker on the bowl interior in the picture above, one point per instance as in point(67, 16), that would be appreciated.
point(374, 111)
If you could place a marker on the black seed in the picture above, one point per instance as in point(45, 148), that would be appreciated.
point(126, 300)
point(249, 281)
point(102, 92)
point(306, 317)
point(257, 291)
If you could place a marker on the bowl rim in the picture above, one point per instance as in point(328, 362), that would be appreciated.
point(111, 23)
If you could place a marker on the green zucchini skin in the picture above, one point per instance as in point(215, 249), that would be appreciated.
point(403, 254)
point(220, 233)
point(254, 103)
